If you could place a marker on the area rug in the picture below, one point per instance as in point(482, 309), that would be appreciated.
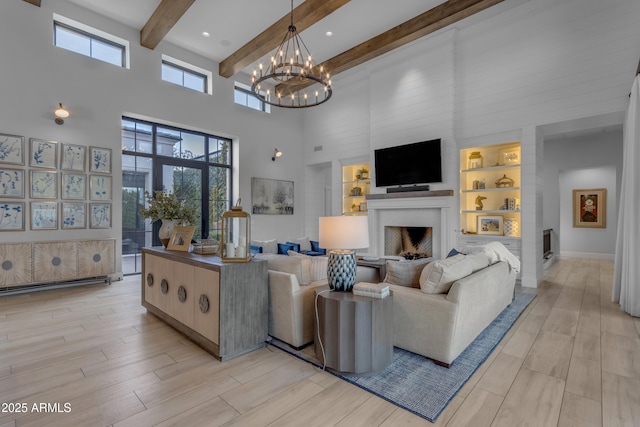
point(414, 382)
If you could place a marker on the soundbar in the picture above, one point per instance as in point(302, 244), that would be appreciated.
point(408, 188)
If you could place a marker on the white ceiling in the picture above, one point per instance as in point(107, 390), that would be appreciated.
point(233, 23)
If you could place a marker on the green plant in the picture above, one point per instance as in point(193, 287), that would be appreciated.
point(167, 206)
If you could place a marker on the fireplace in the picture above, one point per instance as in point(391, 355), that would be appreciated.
point(408, 242)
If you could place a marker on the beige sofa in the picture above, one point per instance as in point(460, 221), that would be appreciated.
point(292, 282)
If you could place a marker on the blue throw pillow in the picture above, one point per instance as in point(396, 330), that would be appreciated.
point(315, 246)
point(454, 252)
point(294, 246)
point(283, 248)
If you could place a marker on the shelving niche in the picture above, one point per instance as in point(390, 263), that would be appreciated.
point(353, 200)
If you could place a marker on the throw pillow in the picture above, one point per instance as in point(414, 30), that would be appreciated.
point(295, 246)
point(437, 277)
point(453, 252)
point(268, 246)
point(284, 248)
point(305, 244)
point(405, 273)
point(318, 265)
point(478, 261)
point(300, 266)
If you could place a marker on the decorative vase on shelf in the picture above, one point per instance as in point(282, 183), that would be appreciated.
point(166, 229)
point(511, 227)
point(475, 160)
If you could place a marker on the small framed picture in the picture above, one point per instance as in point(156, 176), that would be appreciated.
point(73, 186)
point(44, 184)
point(11, 216)
point(12, 183)
point(99, 160)
point(590, 208)
point(11, 149)
point(74, 215)
point(510, 156)
point(100, 187)
point(490, 224)
point(43, 153)
point(44, 216)
point(73, 157)
point(181, 238)
point(100, 215)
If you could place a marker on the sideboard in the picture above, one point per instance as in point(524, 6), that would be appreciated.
point(221, 306)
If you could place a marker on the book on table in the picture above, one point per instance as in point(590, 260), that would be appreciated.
point(373, 290)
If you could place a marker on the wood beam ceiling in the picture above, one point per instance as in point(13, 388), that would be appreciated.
point(432, 20)
point(304, 16)
point(163, 19)
point(34, 2)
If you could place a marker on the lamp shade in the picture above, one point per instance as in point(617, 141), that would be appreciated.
point(344, 232)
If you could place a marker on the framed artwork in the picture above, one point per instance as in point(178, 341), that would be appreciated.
point(44, 216)
point(74, 215)
point(11, 149)
point(181, 238)
point(43, 153)
point(490, 225)
point(271, 196)
point(99, 160)
point(44, 184)
point(11, 216)
point(12, 183)
point(510, 156)
point(100, 187)
point(590, 208)
point(100, 215)
point(73, 186)
point(73, 157)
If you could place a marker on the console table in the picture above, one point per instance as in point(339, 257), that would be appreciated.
point(356, 331)
point(221, 306)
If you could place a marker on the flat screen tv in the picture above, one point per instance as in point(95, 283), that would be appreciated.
point(417, 163)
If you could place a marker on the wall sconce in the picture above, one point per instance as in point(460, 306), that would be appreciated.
point(276, 153)
point(60, 113)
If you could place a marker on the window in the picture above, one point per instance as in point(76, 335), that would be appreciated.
point(242, 95)
point(87, 41)
point(186, 75)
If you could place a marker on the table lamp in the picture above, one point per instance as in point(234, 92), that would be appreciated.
point(340, 235)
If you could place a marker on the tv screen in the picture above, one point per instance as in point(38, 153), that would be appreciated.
point(417, 163)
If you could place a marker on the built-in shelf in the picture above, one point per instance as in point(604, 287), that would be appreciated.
point(484, 190)
point(404, 194)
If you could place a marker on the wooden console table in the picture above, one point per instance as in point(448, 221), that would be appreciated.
point(221, 306)
point(356, 331)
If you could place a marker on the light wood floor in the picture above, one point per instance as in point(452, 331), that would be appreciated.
point(572, 359)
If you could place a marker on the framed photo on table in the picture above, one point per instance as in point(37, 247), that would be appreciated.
point(11, 149)
point(490, 225)
point(590, 208)
point(181, 238)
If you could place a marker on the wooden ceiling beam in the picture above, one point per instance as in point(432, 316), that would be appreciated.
point(432, 20)
point(304, 16)
point(166, 15)
point(34, 2)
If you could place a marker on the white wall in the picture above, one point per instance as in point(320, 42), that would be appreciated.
point(35, 76)
point(581, 162)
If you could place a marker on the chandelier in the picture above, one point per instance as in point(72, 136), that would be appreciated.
point(296, 80)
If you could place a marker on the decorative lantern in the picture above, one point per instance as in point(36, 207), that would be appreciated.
point(236, 235)
point(475, 160)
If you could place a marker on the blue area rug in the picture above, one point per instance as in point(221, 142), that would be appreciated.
point(414, 382)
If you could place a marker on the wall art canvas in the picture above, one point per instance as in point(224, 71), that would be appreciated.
point(43, 153)
point(590, 208)
point(100, 187)
point(44, 216)
point(271, 196)
point(44, 185)
point(73, 186)
point(100, 160)
point(11, 149)
point(73, 157)
point(12, 183)
point(100, 215)
point(490, 224)
point(11, 216)
point(74, 215)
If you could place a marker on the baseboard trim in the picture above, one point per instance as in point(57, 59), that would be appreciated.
point(588, 255)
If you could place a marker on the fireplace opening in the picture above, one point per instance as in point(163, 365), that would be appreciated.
point(408, 242)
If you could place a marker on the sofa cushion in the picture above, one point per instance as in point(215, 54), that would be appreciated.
point(478, 261)
point(268, 246)
point(300, 266)
point(284, 248)
point(405, 273)
point(318, 265)
point(438, 276)
point(304, 242)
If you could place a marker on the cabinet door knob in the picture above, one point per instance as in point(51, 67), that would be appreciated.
point(149, 279)
point(164, 286)
point(204, 303)
point(182, 294)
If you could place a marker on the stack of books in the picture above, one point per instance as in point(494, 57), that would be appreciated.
point(511, 204)
point(372, 290)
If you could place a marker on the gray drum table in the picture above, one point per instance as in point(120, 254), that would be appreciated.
point(356, 331)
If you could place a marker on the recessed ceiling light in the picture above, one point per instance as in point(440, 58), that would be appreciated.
point(205, 34)
point(329, 33)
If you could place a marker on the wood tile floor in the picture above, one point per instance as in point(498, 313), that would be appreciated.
point(97, 358)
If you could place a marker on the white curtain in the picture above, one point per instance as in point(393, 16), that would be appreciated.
point(626, 273)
